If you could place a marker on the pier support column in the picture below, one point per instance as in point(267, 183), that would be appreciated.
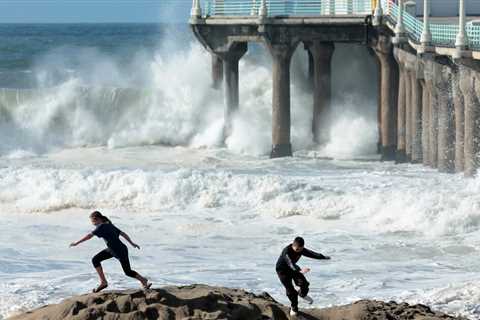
point(217, 71)
point(322, 53)
point(401, 155)
point(282, 56)
point(458, 103)
point(379, 109)
point(389, 91)
point(433, 112)
point(379, 101)
point(311, 69)
point(425, 123)
point(416, 118)
point(230, 73)
point(408, 115)
point(433, 151)
point(471, 92)
point(446, 126)
point(372, 52)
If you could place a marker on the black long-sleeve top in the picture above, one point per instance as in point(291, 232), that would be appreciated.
point(111, 234)
point(288, 259)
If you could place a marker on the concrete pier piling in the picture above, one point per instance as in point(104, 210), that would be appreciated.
point(388, 92)
point(401, 154)
point(311, 69)
point(408, 114)
point(433, 150)
point(458, 103)
point(379, 106)
point(471, 92)
point(429, 73)
point(416, 119)
point(217, 71)
point(425, 123)
point(322, 53)
point(230, 73)
point(446, 126)
point(281, 59)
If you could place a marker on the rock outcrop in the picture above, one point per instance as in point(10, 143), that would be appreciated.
point(205, 302)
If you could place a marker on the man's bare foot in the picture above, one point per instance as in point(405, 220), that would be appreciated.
point(100, 287)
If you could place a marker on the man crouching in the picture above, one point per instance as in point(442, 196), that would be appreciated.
point(287, 270)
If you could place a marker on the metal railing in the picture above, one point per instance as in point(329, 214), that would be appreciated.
point(287, 7)
point(443, 35)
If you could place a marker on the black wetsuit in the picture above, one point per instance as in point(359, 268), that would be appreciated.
point(115, 248)
point(287, 270)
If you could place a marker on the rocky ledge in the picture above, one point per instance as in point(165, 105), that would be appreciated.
point(205, 302)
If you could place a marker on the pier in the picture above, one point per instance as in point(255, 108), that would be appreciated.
point(428, 99)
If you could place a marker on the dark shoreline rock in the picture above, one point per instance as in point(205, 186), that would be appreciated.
point(198, 302)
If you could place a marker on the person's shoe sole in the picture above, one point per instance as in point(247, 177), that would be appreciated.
point(308, 299)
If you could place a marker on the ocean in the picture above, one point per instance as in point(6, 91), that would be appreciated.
point(122, 118)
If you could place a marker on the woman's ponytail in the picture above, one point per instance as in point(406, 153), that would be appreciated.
point(100, 216)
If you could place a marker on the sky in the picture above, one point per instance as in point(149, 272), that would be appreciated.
point(94, 11)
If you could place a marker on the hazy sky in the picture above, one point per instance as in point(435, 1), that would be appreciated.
point(94, 11)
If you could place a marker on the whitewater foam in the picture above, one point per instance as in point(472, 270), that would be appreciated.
point(383, 196)
point(99, 106)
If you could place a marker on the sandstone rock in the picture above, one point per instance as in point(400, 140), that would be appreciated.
point(199, 302)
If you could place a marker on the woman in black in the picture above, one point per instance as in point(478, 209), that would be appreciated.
point(115, 248)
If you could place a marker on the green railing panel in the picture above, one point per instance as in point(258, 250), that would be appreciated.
point(473, 33)
point(413, 26)
point(444, 34)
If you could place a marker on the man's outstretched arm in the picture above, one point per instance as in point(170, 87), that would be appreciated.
point(314, 255)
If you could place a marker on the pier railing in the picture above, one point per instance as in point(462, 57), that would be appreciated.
point(275, 8)
point(442, 34)
point(439, 35)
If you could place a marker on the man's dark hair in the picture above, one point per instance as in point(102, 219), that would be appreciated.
point(299, 241)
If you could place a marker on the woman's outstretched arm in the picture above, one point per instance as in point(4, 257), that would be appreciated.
point(87, 237)
point(123, 234)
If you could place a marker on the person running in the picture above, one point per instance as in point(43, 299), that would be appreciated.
point(105, 229)
point(288, 271)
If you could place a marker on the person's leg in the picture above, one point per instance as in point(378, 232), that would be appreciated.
point(292, 294)
point(302, 282)
point(125, 262)
point(96, 261)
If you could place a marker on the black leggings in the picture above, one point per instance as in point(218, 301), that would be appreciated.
point(106, 254)
point(286, 278)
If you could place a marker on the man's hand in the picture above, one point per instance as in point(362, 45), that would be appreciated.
point(136, 246)
point(327, 258)
point(305, 270)
point(73, 244)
